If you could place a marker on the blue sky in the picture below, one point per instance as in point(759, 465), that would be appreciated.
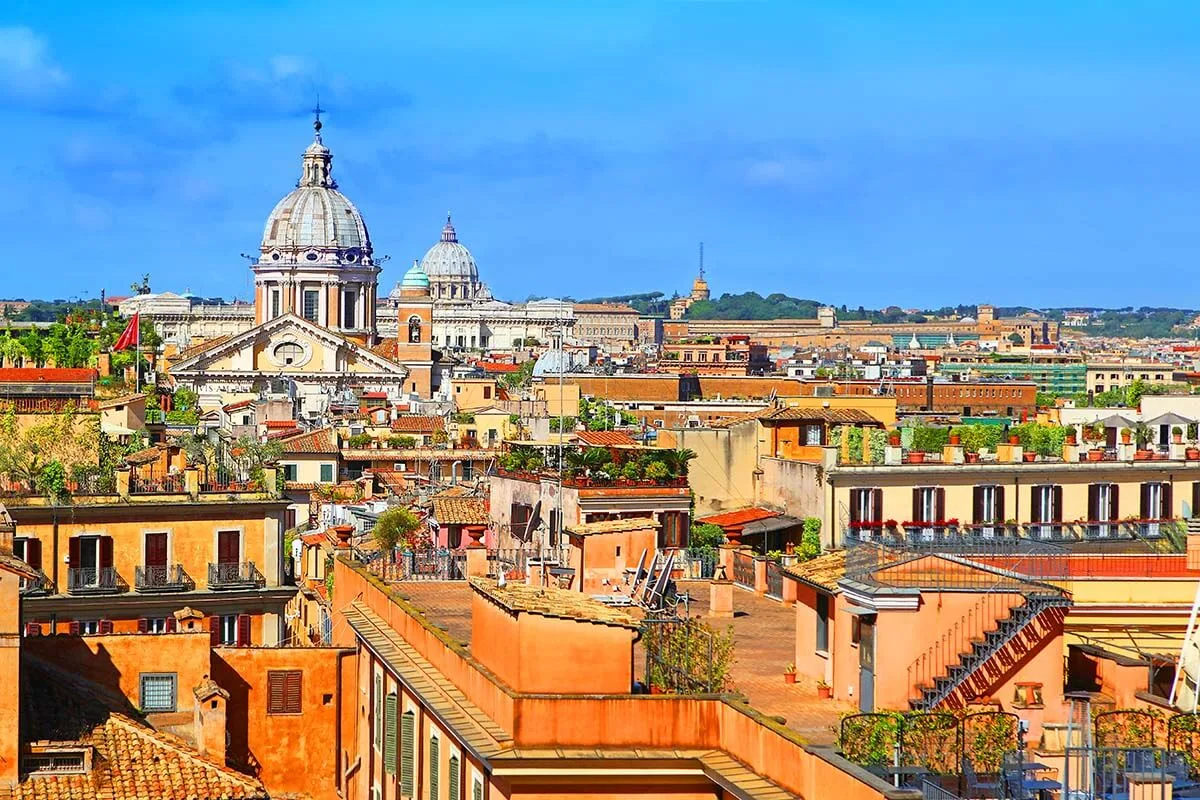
point(918, 153)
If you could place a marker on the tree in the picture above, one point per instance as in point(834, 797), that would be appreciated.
point(394, 528)
point(677, 460)
point(31, 346)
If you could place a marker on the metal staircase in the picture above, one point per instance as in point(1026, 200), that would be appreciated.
point(984, 646)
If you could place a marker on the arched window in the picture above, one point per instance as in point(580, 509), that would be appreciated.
point(414, 330)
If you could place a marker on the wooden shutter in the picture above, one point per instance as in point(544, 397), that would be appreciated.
point(1000, 505)
point(1057, 494)
point(33, 629)
point(453, 779)
point(1114, 504)
point(1093, 508)
point(73, 552)
point(33, 553)
point(1035, 503)
point(105, 559)
point(1144, 507)
point(243, 630)
point(477, 790)
point(435, 767)
point(275, 701)
point(73, 627)
point(293, 683)
point(156, 549)
point(172, 624)
point(939, 505)
point(389, 734)
point(877, 505)
point(977, 505)
point(1168, 507)
point(408, 746)
point(856, 497)
point(916, 508)
point(106, 626)
point(214, 631)
point(143, 625)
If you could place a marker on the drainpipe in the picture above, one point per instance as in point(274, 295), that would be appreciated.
point(454, 472)
point(341, 774)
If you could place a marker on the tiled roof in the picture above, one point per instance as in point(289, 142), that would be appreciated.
point(605, 438)
point(124, 399)
point(497, 366)
point(46, 375)
point(604, 308)
point(394, 481)
point(278, 424)
point(460, 511)
point(374, 395)
point(417, 423)
point(131, 760)
point(318, 441)
point(147, 456)
point(386, 348)
point(823, 571)
point(612, 526)
point(285, 433)
point(740, 517)
point(836, 416)
point(197, 349)
point(550, 601)
point(238, 404)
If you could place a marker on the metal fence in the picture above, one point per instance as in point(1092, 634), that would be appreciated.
point(1095, 773)
point(774, 580)
point(433, 565)
point(743, 570)
point(684, 656)
point(692, 565)
point(515, 560)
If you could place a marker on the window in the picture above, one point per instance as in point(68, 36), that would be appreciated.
point(289, 472)
point(84, 627)
point(389, 734)
point(156, 625)
point(157, 691)
point(283, 691)
point(812, 435)
point(453, 779)
point(1045, 510)
point(435, 767)
point(929, 504)
point(414, 330)
point(866, 510)
point(289, 353)
point(377, 721)
point(822, 622)
point(89, 560)
point(988, 508)
point(312, 304)
point(230, 630)
point(29, 551)
point(327, 473)
point(408, 742)
point(349, 309)
point(274, 303)
point(477, 790)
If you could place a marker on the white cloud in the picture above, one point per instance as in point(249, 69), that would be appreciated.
point(26, 65)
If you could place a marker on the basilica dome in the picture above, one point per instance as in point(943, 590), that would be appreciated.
point(449, 259)
point(315, 222)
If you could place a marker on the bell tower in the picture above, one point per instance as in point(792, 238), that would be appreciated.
point(414, 330)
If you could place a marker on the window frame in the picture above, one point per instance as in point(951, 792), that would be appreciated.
point(143, 677)
point(284, 709)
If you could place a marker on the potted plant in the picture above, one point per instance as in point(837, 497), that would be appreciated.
point(1014, 439)
point(916, 456)
point(1126, 435)
point(789, 674)
point(894, 438)
point(1177, 435)
point(1095, 454)
point(955, 438)
point(1030, 456)
point(1069, 436)
point(1142, 436)
point(824, 690)
point(1192, 453)
point(971, 457)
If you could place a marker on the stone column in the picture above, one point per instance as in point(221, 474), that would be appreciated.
point(720, 595)
point(476, 553)
point(191, 481)
point(123, 476)
point(725, 558)
point(760, 575)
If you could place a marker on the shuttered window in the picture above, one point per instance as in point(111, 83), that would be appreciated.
point(408, 746)
point(389, 734)
point(435, 768)
point(453, 780)
point(283, 691)
point(377, 717)
point(477, 790)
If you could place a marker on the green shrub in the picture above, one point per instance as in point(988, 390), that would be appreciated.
point(359, 440)
point(928, 439)
point(402, 442)
point(810, 539)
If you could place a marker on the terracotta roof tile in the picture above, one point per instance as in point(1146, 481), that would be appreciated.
point(416, 423)
point(823, 571)
point(605, 438)
point(318, 441)
point(147, 456)
point(197, 349)
point(386, 348)
point(460, 511)
point(46, 375)
point(612, 526)
point(123, 400)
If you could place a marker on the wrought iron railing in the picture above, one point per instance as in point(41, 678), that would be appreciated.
point(164, 578)
point(743, 570)
point(774, 580)
point(516, 559)
point(693, 565)
point(163, 484)
point(235, 575)
point(434, 565)
point(684, 656)
point(93, 580)
point(34, 587)
point(1105, 772)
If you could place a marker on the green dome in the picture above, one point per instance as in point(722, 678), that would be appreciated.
point(415, 278)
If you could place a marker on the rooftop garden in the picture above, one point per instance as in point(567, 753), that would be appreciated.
point(599, 465)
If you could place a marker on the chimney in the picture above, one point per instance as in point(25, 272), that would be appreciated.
point(7, 530)
point(209, 720)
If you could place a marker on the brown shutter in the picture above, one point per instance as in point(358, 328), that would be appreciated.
point(33, 629)
point(1093, 509)
point(106, 626)
point(214, 631)
point(243, 630)
point(1114, 504)
point(1168, 506)
point(1196, 498)
point(977, 505)
point(33, 553)
point(856, 496)
point(916, 508)
point(172, 624)
point(105, 560)
point(1144, 509)
point(877, 505)
point(275, 701)
point(1000, 505)
point(143, 625)
point(1058, 504)
point(1035, 503)
point(73, 552)
point(291, 691)
point(73, 627)
point(940, 504)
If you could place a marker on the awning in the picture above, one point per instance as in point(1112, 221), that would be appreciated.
point(772, 524)
point(1116, 421)
point(1170, 418)
point(858, 611)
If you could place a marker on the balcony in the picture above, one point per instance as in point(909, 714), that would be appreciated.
point(242, 575)
point(92, 580)
point(36, 587)
point(166, 578)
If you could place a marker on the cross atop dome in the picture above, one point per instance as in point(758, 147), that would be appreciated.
point(317, 119)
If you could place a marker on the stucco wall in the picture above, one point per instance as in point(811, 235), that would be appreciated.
point(722, 474)
point(792, 487)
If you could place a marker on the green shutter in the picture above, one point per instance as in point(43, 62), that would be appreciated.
point(326, 473)
point(477, 790)
point(435, 765)
point(389, 734)
point(377, 721)
point(407, 746)
point(454, 778)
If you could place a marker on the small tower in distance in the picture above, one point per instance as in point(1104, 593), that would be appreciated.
point(414, 330)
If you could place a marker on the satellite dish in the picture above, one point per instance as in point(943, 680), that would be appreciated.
point(535, 519)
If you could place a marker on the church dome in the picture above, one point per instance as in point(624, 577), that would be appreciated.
point(449, 259)
point(414, 280)
point(315, 222)
point(551, 362)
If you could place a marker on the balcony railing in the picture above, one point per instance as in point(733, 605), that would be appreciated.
point(163, 484)
point(165, 578)
point(243, 575)
point(36, 587)
point(92, 580)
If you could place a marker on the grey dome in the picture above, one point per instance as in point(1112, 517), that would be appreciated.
point(449, 259)
point(551, 362)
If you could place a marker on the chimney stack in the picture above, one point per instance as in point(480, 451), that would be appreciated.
point(209, 719)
